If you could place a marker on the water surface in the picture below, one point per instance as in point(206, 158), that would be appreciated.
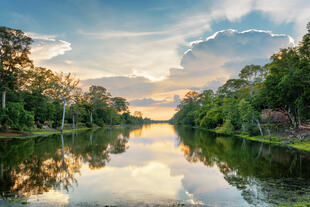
point(153, 165)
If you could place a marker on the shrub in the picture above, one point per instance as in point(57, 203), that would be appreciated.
point(100, 122)
point(227, 128)
point(250, 128)
point(56, 124)
point(17, 117)
point(39, 125)
point(89, 125)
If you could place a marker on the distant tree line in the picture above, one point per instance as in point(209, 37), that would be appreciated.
point(37, 97)
point(283, 85)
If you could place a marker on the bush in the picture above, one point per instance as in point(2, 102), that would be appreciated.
point(17, 117)
point(56, 124)
point(89, 125)
point(100, 122)
point(250, 129)
point(227, 128)
point(39, 125)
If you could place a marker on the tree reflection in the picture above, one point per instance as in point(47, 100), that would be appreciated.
point(263, 173)
point(37, 165)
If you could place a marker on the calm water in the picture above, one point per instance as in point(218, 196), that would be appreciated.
point(157, 165)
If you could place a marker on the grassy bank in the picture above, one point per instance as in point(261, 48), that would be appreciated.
point(279, 140)
point(293, 142)
point(42, 132)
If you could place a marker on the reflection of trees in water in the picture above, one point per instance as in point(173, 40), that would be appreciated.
point(262, 172)
point(34, 166)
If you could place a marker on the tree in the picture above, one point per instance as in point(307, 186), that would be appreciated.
point(304, 45)
point(63, 89)
point(120, 104)
point(14, 51)
point(249, 117)
point(252, 73)
point(39, 80)
point(138, 114)
point(96, 99)
point(286, 88)
point(233, 88)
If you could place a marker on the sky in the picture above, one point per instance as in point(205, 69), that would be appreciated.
point(152, 52)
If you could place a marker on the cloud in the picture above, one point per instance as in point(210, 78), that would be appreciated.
point(145, 102)
point(129, 87)
point(286, 11)
point(151, 49)
point(46, 47)
point(206, 65)
point(228, 51)
point(160, 103)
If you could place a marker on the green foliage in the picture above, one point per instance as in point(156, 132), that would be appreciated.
point(89, 124)
point(213, 118)
point(281, 85)
point(56, 124)
point(39, 125)
point(100, 122)
point(227, 128)
point(17, 117)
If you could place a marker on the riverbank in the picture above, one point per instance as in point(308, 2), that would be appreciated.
point(46, 132)
point(290, 142)
point(41, 132)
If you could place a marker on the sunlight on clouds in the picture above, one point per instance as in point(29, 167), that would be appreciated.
point(206, 65)
point(145, 62)
point(156, 131)
point(46, 47)
point(56, 197)
point(156, 113)
point(154, 178)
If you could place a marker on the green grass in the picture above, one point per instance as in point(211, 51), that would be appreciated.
point(275, 140)
point(54, 131)
point(43, 132)
point(305, 146)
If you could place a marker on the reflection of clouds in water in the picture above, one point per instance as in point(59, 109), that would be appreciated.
point(149, 183)
point(54, 197)
point(199, 183)
point(154, 170)
point(155, 131)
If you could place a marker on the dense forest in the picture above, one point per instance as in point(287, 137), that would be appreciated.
point(36, 97)
point(260, 100)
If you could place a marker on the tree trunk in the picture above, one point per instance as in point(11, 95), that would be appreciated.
point(259, 127)
point(291, 117)
point(3, 99)
point(298, 120)
point(90, 116)
point(73, 125)
point(63, 115)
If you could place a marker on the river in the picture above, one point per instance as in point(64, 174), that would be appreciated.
point(153, 165)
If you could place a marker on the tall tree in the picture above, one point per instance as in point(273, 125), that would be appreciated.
point(14, 51)
point(120, 104)
point(63, 89)
point(97, 97)
point(304, 45)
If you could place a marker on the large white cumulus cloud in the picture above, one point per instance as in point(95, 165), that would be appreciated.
point(228, 51)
